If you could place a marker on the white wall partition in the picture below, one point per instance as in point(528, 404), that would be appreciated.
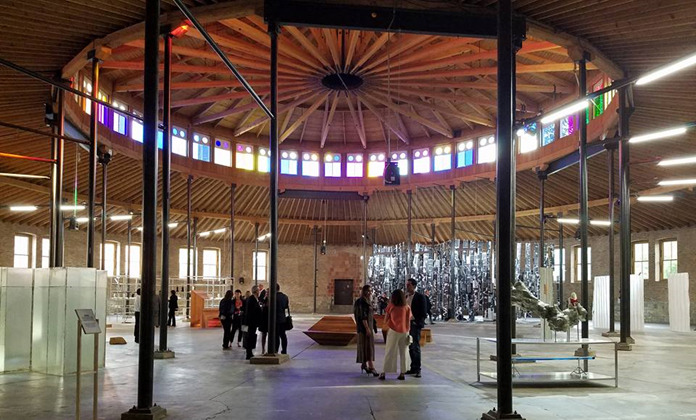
point(679, 305)
point(600, 303)
point(15, 318)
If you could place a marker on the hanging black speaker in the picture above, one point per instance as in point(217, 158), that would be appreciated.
point(391, 174)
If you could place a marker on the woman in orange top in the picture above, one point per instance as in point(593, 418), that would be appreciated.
point(397, 322)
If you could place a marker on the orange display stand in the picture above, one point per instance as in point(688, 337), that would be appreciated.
point(202, 317)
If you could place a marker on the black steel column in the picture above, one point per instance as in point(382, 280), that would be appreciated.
point(505, 212)
point(561, 302)
point(364, 240)
point(189, 184)
point(542, 197)
point(584, 215)
point(453, 233)
point(104, 161)
point(233, 188)
point(149, 214)
point(57, 148)
point(194, 257)
point(315, 232)
point(92, 176)
point(166, 187)
point(410, 235)
point(625, 228)
point(612, 194)
point(273, 30)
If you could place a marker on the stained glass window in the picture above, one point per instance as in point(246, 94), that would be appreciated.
point(528, 138)
point(201, 147)
point(179, 142)
point(548, 134)
point(568, 126)
point(288, 163)
point(354, 165)
point(401, 160)
point(223, 154)
point(443, 158)
point(263, 160)
point(486, 149)
point(332, 165)
point(375, 165)
point(119, 122)
point(421, 161)
point(465, 153)
point(310, 164)
point(244, 157)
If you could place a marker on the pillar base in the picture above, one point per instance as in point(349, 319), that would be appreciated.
point(167, 354)
point(495, 415)
point(270, 359)
point(623, 346)
point(153, 413)
point(630, 340)
point(585, 352)
point(611, 334)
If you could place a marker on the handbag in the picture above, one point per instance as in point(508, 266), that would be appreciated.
point(288, 321)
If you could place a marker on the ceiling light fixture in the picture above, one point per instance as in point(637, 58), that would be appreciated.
point(565, 111)
point(264, 237)
point(23, 208)
point(677, 161)
point(667, 70)
point(173, 225)
point(600, 222)
point(121, 217)
point(204, 234)
point(82, 219)
point(656, 198)
point(671, 182)
point(568, 221)
point(658, 135)
point(29, 176)
point(221, 230)
point(71, 207)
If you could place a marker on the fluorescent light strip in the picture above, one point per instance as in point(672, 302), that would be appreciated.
point(656, 198)
point(667, 70)
point(120, 217)
point(69, 207)
point(172, 225)
point(600, 222)
point(264, 237)
point(658, 135)
point(29, 176)
point(677, 182)
point(564, 112)
point(204, 234)
point(678, 161)
point(221, 230)
point(82, 219)
point(568, 221)
point(23, 208)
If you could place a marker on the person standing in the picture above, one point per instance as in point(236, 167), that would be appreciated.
point(251, 319)
point(173, 307)
point(282, 313)
point(364, 320)
point(237, 308)
point(429, 306)
point(225, 315)
point(397, 322)
point(136, 307)
point(419, 309)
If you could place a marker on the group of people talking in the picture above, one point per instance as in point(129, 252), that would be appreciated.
point(404, 319)
point(246, 315)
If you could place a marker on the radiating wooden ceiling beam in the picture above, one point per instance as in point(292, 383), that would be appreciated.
point(353, 38)
point(233, 95)
point(303, 117)
point(387, 101)
point(404, 42)
point(281, 108)
point(403, 136)
point(359, 127)
point(332, 42)
point(491, 70)
point(457, 113)
point(328, 118)
point(308, 45)
point(204, 84)
point(372, 49)
point(483, 85)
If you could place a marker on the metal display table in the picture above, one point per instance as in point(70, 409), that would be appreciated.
point(579, 374)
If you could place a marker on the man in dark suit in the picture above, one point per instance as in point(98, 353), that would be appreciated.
point(282, 312)
point(252, 319)
point(419, 311)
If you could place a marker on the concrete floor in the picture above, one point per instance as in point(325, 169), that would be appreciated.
point(657, 381)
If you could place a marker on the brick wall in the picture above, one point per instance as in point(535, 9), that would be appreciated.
point(295, 270)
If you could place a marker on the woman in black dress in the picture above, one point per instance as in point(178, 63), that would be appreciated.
point(225, 315)
point(364, 318)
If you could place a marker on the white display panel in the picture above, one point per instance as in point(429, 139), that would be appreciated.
point(679, 305)
point(600, 303)
point(15, 318)
point(637, 304)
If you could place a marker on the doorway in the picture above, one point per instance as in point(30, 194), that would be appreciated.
point(343, 292)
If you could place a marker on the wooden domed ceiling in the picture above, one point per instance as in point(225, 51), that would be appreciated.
point(346, 87)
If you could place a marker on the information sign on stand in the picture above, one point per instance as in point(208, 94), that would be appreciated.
point(87, 323)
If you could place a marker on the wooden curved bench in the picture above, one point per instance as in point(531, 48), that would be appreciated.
point(333, 331)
